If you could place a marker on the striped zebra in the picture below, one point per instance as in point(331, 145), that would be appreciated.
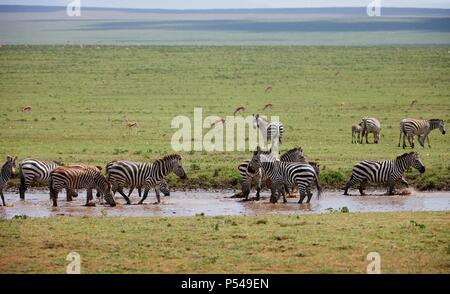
point(271, 132)
point(80, 177)
point(285, 173)
point(6, 173)
point(420, 127)
point(371, 125)
point(249, 175)
point(146, 175)
point(139, 182)
point(37, 170)
point(387, 171)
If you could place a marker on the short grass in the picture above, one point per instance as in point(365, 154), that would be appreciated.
point(327, 243)
point(81, 98)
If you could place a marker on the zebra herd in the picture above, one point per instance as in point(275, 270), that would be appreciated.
point(292, 171)
point(119, 174)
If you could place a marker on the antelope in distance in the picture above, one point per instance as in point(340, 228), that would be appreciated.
point(239, 109)
point(218, 121)
point(268, 89)
point(268, 105)
point(132, 125)
point(25, 108)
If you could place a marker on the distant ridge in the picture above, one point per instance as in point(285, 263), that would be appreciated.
point(355, 11)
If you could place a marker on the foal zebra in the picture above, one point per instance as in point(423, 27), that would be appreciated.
point(271, 132)
point(285, 173)
point(80, 177)
point(37, 170)
point(371, 125)
point(387, 171)
point(420, 127)
point(6, 172)
point(248, 174)
point(138, 174)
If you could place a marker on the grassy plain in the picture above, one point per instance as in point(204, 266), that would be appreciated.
point(81, 98)
point(328, 243)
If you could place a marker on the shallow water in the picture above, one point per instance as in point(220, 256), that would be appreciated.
point(189, 203)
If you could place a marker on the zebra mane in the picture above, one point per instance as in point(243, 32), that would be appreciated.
point(404, 155)
point(296, 149)
point(168, 158)
point(262, 118)
point(436, 120)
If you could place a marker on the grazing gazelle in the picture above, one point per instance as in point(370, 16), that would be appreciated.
point(239, 109)
point(25, 108)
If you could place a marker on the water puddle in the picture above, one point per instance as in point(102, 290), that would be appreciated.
point(190, 203)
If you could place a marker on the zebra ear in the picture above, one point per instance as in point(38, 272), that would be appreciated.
point(258, 150)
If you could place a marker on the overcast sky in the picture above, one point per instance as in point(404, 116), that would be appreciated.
point(207, 4)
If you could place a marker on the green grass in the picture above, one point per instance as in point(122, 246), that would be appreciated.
point(82, 96)
point(327, 243)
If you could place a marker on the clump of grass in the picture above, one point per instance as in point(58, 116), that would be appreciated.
point(20, 216)
point(415, 224)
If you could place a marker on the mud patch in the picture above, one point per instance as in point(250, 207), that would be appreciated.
point(191, 203)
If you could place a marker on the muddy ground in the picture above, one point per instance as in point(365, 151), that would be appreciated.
point(212, 203)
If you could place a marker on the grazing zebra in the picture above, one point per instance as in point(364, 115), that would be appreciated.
point(420, 127)
point(248, 174)
point(270, 131)
point(387, 171)
point(7, 171)
point(356, 133)
point(285, 173)
point(138, 174)
point(79, 177)
point(37, 170)
point(119, 181)
point(371, 125)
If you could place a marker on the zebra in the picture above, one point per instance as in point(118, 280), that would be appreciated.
point(37, 170)
point(387, 171)
point(248, 174)
point(420, 127)
point(8, 169)
point(146, 175)
point(370, 125)
point(139, 182)
point(271, 132)
point(79, 177)
point(356, 133)
point(282, 173)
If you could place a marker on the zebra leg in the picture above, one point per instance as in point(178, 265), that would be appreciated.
point(399, 138)
point(403, 180)
point(362, 186)
point(258, 187)
point(350, 184)
point(158, 196)
point(89, 197)
point(139, 191)
point(120, 190)
point(69, 195)
point(146, 190)
point(428, 140)
point(411, 142)
point(404, 140)
point(23, 186)
point(130, 191)
point(54, 196)
point(273, 190)
point(309, 194)
point(391, 186)
point(3, 198)
point(302, 192)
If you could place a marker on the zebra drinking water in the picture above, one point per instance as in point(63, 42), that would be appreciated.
point(371, 125)
point(80, 177)
point(387, 171)
point(37, 170)
point(248, 174)
point(285, 173)
point(138, 174)
point(419, 127)
point(6, 172)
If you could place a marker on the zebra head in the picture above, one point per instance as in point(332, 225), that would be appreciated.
point(255, 162)
point(416, 162)
point(441, 126)
point(177, 166)
point(10, 165)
